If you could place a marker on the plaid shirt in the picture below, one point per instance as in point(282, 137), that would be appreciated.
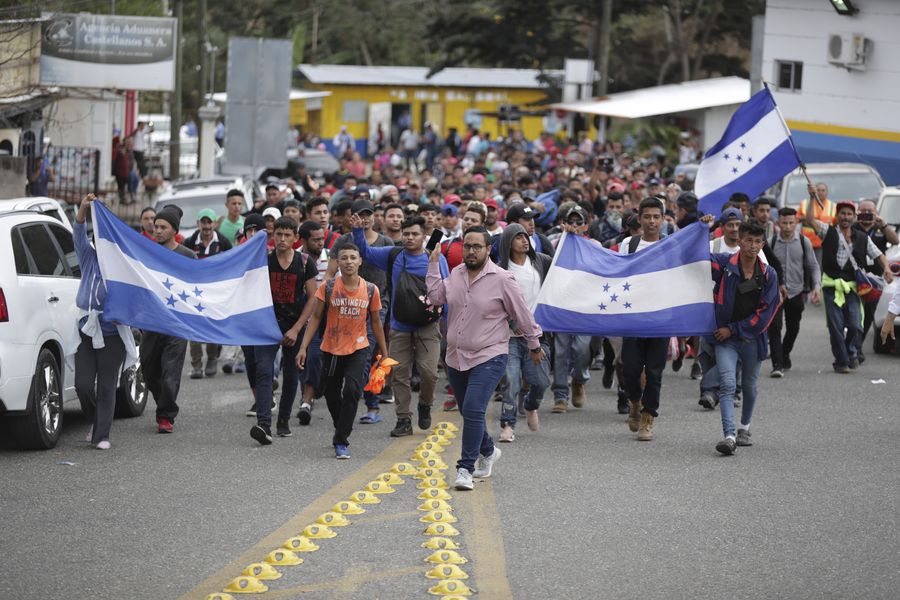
point(842, 256)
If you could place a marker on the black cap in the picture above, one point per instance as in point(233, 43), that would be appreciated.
point(519, 211)
point(362, 205)
point(687, 201)
point(254, 221)
point(577, 210)
point(171, 215)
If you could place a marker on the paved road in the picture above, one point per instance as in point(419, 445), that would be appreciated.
point(578, 510)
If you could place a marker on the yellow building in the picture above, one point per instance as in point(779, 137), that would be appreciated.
point(362, 98)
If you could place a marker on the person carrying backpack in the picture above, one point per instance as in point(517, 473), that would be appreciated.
point(349, 304)
point(414, 335)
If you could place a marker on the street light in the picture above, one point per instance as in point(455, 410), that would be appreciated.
point(844, 7)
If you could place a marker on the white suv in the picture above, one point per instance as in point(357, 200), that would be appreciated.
point(37, 312)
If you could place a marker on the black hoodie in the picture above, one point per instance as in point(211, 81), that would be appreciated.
point(541, 262)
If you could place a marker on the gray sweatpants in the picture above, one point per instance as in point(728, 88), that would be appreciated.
point(96, 375)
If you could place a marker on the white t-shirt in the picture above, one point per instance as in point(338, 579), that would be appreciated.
point(718, 246)
point(626, 243)
point(529, 281)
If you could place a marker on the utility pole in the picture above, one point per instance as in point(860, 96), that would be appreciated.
point(202, 45)
point(175, 106)
point(603, 54)
point(315, 36)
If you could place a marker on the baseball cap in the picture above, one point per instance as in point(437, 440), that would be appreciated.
point(519, 211)
point(452, 199)
point(362, 205)
point(207, 213)
point(844, 204)
point(449, 209)
point(577, 211)
point(731, 213)
point(687, 201)
point(529, 193)
point(615, 187)
point(654, 181)
point(491, 203)
point(254, 221)
point(360, 190)
point(478, 178)
point(272, 212)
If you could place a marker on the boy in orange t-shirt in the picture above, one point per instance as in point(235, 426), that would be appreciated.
point(350, 302)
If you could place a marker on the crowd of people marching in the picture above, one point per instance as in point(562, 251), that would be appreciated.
point(437, 261)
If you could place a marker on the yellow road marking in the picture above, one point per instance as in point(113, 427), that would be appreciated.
point(484, 542)
point(352, 580)
point(394, 452)
point(387, 518)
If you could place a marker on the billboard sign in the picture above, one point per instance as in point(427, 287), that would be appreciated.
point(113, 52)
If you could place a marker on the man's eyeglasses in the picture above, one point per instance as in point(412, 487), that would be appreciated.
point(474, 247)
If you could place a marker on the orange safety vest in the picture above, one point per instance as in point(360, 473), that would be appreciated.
point(825, 214)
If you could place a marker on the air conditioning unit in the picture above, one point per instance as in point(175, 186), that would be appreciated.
point(9, 142)
point(849, 50)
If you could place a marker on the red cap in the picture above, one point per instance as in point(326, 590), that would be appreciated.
point(492, 202)
point(452, 199)
point(843, 203)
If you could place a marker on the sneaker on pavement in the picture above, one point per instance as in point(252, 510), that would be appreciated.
point(164, 425)
point(104, 445)
point(743, 438)
point(463, 480)
point(424, 411)
point(622, 402)
point(533, 420)
point(842, 369)
point(608, 372)
point(197, 373)
point(854, 364)
point(485, 464)
point(696, 371)
point(305, 413)
point(578, 395)
point(707, 400)
point(450, 405)
point(403, 428)
point(251, 412)
point(283, 428)
point(560, 405)
point(777, 374)
point(726, 446)
point(212, 367)
point(262, 434)
point(737, 400)
point(507, 434)
point(341, 452)
point(678, 361)
point(240, 367)
point(227, 367)
point(787, 363)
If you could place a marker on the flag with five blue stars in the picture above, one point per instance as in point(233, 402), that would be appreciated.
point(755, 152)
point(662, 290)
point(223, 299)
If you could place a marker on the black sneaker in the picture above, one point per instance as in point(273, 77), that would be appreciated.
point(696, 371)
point(608, 372)
point(424, 416)
point(262, 434)
point(860, 356)
point(403, 428)
point(622, 402)
point(227, 367)
point(787, 363)
point(282, 428)
point(676, 364)
point(743, 438)
point(726, 446)
point(251, 412)
point(708, 401)
point(304, 414)
point(854, 364)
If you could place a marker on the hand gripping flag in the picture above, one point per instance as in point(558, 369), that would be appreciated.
point(223, 299)
point(661, 291)
point(755, 152)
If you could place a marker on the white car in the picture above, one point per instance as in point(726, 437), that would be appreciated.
point(845, 181)
point(45, 206)
point(193, 195)
point(893, 259)
point(889, 205)
point(37, 310)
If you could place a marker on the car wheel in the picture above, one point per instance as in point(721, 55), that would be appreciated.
point(132, 393)
point(39, 429)
point(881, 347)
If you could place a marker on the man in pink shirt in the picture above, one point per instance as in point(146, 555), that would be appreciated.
point(481, 301)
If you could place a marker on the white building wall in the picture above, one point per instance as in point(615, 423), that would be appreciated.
point(798, 30)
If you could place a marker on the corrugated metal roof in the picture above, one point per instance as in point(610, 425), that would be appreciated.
point(665, 99)
point(295, 95)
point(415, 76)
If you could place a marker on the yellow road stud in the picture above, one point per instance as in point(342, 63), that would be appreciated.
point(284, 558)
point(434, 494)
point(318, 532)
point(445, 433)
point(440, 543)
point(450, 557)
point(333, 519)
point(431, 447)
point(379, 487)
point(448, 425)
point(348, 507)
point(246, 585)
point(300, 543)
point(446, 572)
point(450, 586)
point(428, 473)
point(434, 482)
point(424, 455)
point(391, 479)
point(402, 468)
point(262, 571)
point(441, 529)
point(438, 516)
point(430, 505)
point(364, 497)
point(454, 597)
point(221, 596)
point(433, 463)
point(438, 439)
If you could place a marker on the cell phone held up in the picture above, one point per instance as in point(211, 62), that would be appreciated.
point(434, 240)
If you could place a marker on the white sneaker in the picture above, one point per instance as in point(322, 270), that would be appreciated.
point(485, 464)
point(463, 480)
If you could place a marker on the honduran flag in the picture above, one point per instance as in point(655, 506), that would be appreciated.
point(223, 299)
point(662, 290)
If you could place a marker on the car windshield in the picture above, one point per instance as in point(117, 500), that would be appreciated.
point(841, 186)
point(890, 210)
point(190, 206)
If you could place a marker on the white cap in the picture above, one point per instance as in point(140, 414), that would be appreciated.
point(272, 212)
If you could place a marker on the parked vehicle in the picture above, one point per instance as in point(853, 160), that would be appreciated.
point(193, 195)
point(845, 181)
point(39, 204)
point(893, 258)
point(889, 205)
point(37, 317)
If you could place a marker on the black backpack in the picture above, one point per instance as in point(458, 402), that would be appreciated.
point(410, 295)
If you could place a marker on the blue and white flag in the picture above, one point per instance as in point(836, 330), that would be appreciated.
point(223, 299)
point(661, 291)
point(755, 152)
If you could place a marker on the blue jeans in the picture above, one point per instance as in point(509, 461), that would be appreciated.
point(728, 353)
point(537, 376)
point(844, 347)
point(312, 374)
point(371, 399)
point(709, 383)
point(473, 390)
point(264, 357)
point(571, 355)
